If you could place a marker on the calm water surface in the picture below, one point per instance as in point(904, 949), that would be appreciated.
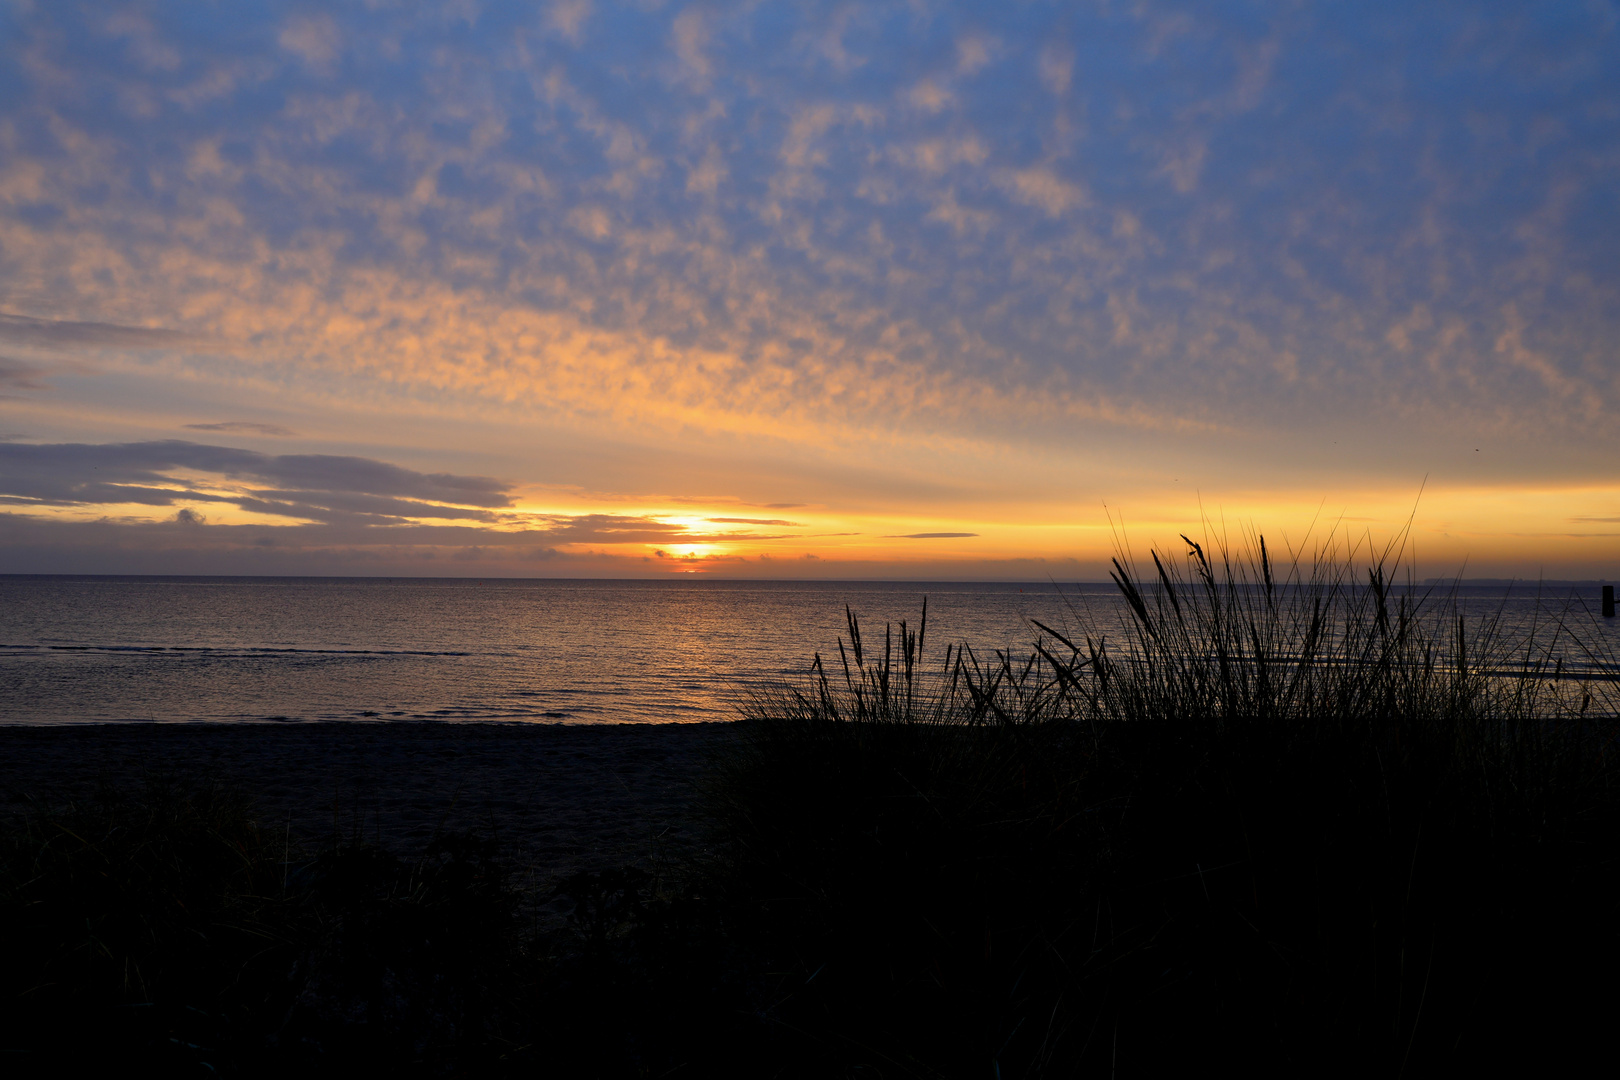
point(96, 649)
point(82, 649)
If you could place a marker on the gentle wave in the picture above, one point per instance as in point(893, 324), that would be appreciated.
point(240, 650)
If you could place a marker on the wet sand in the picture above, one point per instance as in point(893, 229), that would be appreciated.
point(559, 798)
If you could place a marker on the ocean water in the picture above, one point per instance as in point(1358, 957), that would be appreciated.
point(95, 649)
point(232, 649)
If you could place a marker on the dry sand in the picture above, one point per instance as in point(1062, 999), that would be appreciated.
point(559, 798)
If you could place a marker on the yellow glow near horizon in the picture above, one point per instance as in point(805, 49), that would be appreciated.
point(1480, 530)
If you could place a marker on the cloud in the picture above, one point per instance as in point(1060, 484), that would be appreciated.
point(19, 375)
point(311, 486)
point(331, 506)
point(314, 38)
point(1056, 67)
point(612, 529)
point(751, 521)
point(246, 426)
point(973, 53)
point(65, 334)
point(827, 41)
point(928, 95)
point(359, 531)
point(706, 177)
point(633, 529)
point(591, 222)
point(145, 47)
point(401, 223)
point(932, 536)
point(568, 18)
point(188, 543)
point(691, 38)
point(1041, 187)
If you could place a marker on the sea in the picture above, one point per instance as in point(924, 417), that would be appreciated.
point(289, 650)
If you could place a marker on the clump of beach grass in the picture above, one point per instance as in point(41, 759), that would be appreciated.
point(1295, 814)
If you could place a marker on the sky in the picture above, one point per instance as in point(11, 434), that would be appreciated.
point(786, 290)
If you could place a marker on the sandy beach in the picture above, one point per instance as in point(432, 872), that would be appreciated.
point(559, 798)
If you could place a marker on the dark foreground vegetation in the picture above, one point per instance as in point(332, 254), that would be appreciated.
point(1284, 821)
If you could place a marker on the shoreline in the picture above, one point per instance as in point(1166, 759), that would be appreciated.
point(558, 797)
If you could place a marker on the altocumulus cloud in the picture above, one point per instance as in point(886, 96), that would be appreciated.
point(1242, 215)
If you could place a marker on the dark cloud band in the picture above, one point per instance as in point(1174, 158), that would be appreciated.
point(320, 487)
point(60, 334)
point(247, 427)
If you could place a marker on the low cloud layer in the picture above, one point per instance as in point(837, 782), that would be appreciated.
point(246, 427)
point(320, 499)
point(932, 536)
point(751, 521)
point(68, 335)
point(319, 487)
point(20, 375)
point(185, 546)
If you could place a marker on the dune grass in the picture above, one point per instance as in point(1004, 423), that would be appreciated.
point(1284, 817)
